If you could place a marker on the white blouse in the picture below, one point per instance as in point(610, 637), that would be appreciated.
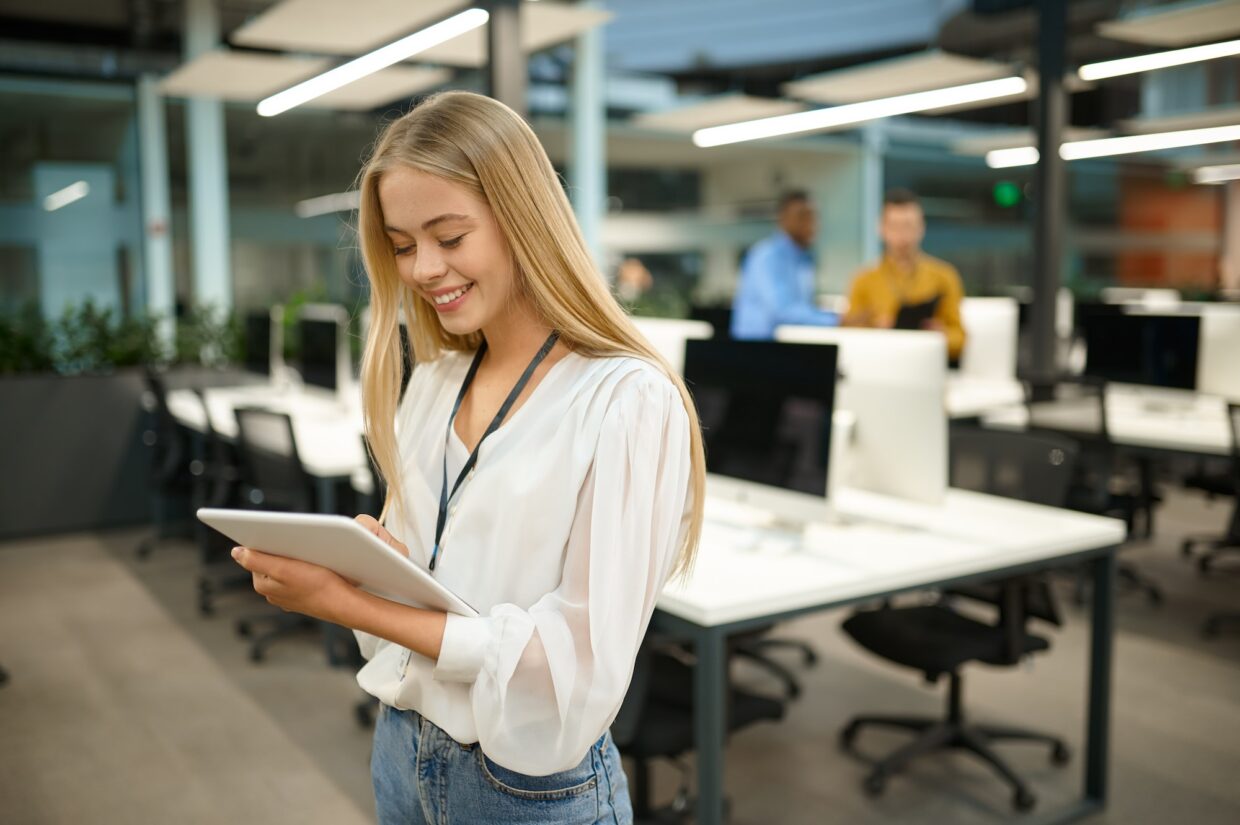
point(562, 538)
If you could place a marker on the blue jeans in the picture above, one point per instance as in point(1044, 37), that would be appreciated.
point(422, 776)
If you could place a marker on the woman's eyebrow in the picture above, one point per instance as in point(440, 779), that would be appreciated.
point(448, 216)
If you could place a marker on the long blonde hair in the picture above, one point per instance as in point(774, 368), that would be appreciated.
point(483, 145)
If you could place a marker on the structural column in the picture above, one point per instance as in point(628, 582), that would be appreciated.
point(156, 207)
point(1050, 114)
point(588, 172)
point(506, 69)
point(208, 171)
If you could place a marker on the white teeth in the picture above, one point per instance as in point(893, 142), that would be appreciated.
point(451, 296)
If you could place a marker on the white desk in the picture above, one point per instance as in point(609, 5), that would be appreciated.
point(1162, 421)
point(328, 433)
point(746, 577)
point(971, 397)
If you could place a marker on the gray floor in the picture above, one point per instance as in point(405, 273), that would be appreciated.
point(126, 707)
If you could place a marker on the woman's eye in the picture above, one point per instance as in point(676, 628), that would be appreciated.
point(402, 250)
point(452, 243)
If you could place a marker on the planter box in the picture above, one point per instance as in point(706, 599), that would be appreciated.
point(72, 453)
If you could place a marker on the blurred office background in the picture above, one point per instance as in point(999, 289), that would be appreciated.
point(148, 213)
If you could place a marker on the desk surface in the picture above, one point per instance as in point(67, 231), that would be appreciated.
point(970, 397)
point(1177, 422)
point(882, 545)
point(328, 433)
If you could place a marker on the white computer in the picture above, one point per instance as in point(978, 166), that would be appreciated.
point(1218, 353)
point(992, 328)
point(893, 382)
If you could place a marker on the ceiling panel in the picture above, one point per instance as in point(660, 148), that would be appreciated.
point(714, 112)
point(240, 75)
point(250, 77)
point(1204, 23)
point(335, 27)
point(542, 25)
point(902, 75)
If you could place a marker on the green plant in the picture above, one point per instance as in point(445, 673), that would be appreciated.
point(25, 342)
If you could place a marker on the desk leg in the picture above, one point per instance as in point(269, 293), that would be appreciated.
point(710, 680)
point(1098, 722)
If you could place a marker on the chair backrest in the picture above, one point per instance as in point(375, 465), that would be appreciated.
point(1233, 421)
point(163, 436)
point(270, 463)
point(1034, 468)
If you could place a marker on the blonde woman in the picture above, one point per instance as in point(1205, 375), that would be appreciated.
point(544, 463)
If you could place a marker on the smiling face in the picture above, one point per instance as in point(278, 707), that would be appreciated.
point(449, 249)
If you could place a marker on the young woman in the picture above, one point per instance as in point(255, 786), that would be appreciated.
point(544, 463)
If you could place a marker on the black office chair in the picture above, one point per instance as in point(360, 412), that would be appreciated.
point(939, 641)
point(656, 722)
point(170, 479)
point(217, 480)
point(1098, 486)
point(1226, 484)
point(1231, 541)
point(272, 478)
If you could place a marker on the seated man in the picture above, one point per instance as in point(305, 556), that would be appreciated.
point(777, 276)
point(906, 277)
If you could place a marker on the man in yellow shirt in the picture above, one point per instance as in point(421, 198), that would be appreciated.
point(906, 277)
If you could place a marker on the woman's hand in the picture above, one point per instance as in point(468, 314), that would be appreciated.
point(371, 524)
point(297, 586)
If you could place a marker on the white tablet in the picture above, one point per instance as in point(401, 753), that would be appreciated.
point(341, 544)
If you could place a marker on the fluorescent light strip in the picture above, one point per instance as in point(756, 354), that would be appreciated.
point(1217, 174)
point(63, 197)
point(368, 64)
point(327, 204)
point(851, 113)
point(1106, 147)
point(1158, 60)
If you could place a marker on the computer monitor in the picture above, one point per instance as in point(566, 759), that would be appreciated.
point(1140, 347)
point(1218, 362)
point(324, 359)
point(766, 421)
point(262, 336)
point(668, 336)
point(894, 384)
point(991, 328)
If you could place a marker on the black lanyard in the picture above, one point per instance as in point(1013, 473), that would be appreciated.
point(444, 496)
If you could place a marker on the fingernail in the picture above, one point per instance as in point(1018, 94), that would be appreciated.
point(236, 552)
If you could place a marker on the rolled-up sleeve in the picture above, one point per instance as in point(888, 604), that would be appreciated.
point(547, 681)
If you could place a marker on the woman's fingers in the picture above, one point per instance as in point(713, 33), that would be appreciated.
point(371, 524)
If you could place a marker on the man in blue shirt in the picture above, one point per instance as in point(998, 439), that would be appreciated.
point(777, 276)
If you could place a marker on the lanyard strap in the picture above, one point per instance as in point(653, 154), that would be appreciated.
point(444, 495)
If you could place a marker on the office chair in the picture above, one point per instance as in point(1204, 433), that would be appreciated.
point(4, 676)
point(656, 722)
point(939, 641)
point(1098, 487)
point(170, 462)
point(1226, 484)
point(1231, 541)
point(272, 478)
point(217, 479)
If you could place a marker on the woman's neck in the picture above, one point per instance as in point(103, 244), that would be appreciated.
point(514, 336)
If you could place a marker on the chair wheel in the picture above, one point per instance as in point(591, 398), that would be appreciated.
point(848, 735)
point(144, 551)
point(244, 630)
point(1186, 548)
point(256, 654)
point(1203, 564)
point(1060, 755)
point(1210, 629)
point(1155, 597)
point(1024, 801)
point(874, 784)
point(204, 607)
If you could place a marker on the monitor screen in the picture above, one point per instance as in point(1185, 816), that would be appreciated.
point(256, 342)
point(1153, 350)
point(765, 409)
point(320, 342)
